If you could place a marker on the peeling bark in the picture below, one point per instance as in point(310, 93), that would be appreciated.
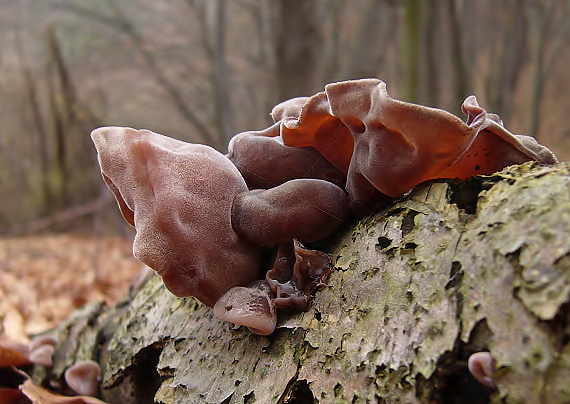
point(451, 269)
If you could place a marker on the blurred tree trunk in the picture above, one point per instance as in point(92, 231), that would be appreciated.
point(335, 67)
point(411, 51)
point(460, 74)
point(56, 115)
point(537, 78)
point(262, 56)
point(509, 61)
point(297, 47)
point(202, 128)
point(220, 72)
point(431, 54)
point(543, 18)
point(368, 48)
point(60, 102)
point(451, 269)
point(37, 124)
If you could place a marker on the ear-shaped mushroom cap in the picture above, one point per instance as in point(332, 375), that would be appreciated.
point(288, 109)
point(316, 126)
point(397, 144)
point(248, 306)
point(495, 147)
point(83, 377)
point(42, 349)
point(306, 209)
point(265, 162)
point(482, 366)
point(179, 197)
point(388, 146)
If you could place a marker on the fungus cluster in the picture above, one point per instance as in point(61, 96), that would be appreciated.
point(204, 219)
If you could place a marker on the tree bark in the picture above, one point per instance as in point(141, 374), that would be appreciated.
point(451, 269)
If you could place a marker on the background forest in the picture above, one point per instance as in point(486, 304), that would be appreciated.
point(203, 70)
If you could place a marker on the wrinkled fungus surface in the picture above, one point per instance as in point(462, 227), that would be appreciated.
point(296, 273)
point(203, 218)
point(305, 209)
point(389, 146)
point(265, 162)
point(248, 306)
point(179, 198)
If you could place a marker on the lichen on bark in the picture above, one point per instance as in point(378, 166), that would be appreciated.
point(450, 269)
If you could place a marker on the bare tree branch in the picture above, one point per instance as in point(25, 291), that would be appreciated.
point(63, 216)
point(120, 22)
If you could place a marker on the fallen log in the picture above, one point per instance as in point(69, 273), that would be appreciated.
point(450, 269)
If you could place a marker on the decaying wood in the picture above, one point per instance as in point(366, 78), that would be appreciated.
point(449, 270)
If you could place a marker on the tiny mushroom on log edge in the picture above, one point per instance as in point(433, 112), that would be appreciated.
point(83, 377)
point(483, 366)
point(202, 218)
point(42, 349)
point(249, 306)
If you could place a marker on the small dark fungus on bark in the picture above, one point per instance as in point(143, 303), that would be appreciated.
point(83, 377)
point(482, 366)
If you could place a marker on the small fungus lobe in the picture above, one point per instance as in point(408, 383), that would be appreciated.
point(42, 349)
point(265, 162)
point(83, 377)
point(305, 209)
point(482, 366)
point(248, 306)
point(296, 273)
point(317, 127)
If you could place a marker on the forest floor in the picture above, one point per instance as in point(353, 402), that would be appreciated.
point(45, 278)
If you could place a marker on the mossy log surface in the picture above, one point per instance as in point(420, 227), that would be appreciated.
point(451, 269)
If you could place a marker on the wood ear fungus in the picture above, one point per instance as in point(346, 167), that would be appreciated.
point(482, 366)
point(248, 306)
point(83, 378)
point(179, 197)
point(202, 218)
point(305, 209)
